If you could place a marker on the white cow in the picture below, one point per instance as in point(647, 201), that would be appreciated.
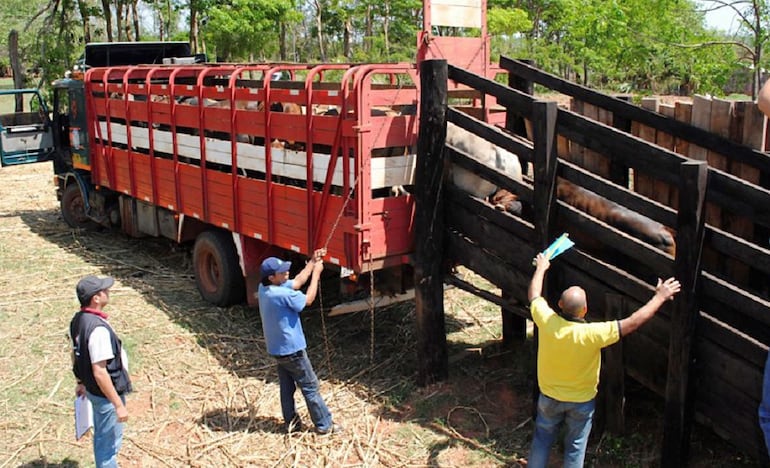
point(486, 153)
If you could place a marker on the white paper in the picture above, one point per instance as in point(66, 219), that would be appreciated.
point(84, 416)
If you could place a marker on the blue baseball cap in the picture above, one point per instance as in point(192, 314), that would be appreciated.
point(273, 265)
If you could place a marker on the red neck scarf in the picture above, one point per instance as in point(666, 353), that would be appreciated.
point(99, 313)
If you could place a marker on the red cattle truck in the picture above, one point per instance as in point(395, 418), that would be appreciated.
point(242, 160)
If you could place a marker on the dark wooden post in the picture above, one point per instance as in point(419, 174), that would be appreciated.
point(618, 170)
point(679, 408)
point(544, 156)
point(513, 120)
point(432, 355)
point(514, 325)
point(545, 160)
point(612, 384)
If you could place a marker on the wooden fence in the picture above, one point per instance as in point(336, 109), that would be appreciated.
point(704, 353)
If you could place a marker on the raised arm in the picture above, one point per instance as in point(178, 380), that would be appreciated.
point(315, 276)
point(664, 291)
point(304, 275)
point(536, 284)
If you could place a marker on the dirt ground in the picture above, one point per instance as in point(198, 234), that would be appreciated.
point(206, 392)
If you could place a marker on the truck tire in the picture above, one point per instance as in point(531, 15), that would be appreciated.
point(217, 271)
point(73, 208)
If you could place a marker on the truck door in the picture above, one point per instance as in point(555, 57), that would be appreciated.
point(25, 128)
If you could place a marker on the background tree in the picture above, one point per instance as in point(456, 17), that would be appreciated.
point(625, 45)
point(751, 37)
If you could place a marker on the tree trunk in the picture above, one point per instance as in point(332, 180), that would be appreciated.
point(107, 15)
point(319, 25)
point(368, 33)
point(346, 48)
point(282, 40)
point(119, 19)
point(16, 68)
point(385, 28)
point(135, 17)
point(161, 24)
point(193, 28)
point(85, 17)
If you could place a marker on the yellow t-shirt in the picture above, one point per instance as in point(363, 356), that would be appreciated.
point(569, 353)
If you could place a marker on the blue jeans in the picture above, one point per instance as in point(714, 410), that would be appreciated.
point(295, 371)
point(550, 414)
point(108, 432)
point(764, 405)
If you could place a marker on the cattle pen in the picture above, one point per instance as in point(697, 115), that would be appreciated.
point(704, 353)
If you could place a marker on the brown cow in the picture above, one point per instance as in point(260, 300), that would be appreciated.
point(631, 222)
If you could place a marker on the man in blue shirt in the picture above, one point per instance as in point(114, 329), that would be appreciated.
point(280, 303)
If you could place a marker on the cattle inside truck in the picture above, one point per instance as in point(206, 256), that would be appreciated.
point(210, 154)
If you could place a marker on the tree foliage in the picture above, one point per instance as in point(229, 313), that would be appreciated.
point(627, 45)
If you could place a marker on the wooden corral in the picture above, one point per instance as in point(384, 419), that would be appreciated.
point(705, 352)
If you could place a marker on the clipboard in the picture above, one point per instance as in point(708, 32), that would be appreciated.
point(84, 416)
point(558, 246)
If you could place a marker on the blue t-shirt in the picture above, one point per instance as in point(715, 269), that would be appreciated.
point(279, 307)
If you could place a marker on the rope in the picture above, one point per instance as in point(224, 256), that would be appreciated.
point(324, 332)
point(327, 347)
point(371, 310)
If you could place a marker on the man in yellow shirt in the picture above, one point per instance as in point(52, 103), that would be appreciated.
point(569, 360)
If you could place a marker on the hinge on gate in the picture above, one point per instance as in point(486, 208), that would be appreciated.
point(362, 227)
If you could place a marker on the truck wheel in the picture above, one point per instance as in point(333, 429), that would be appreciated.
point(217, 271)
point(73, 209)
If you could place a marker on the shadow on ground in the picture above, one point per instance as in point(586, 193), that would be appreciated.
point(374, 353)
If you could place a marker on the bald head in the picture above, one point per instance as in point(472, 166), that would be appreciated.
point(573, 301)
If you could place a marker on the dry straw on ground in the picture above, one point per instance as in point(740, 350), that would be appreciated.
point(206, 392)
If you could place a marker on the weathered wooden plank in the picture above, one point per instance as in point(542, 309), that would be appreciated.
point(514, 122)
point(488, 266)
point(614, 239)
point(736, 306)
point(510, 98)
point(608, 274)
point(508, 247)
point(741, 197)
point(593, 161)
point(516, 145)
point(613, 372)
point(619, 172)
point(731, 414)
point(509, 223)
point(624, 197)
point(683, 130)
point(644, 183)
point(466, 161)
point(646, 361)
point(511, 304)
point(733, 246)
point(631, 151)
point(714, 360)
point(667, 141)
point(682, 113)
point(733, 340)
point(720, 114)
point(576, 151)
point(701, 118)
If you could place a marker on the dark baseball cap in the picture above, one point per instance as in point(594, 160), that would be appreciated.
point(273, 265)
point(90, 285)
